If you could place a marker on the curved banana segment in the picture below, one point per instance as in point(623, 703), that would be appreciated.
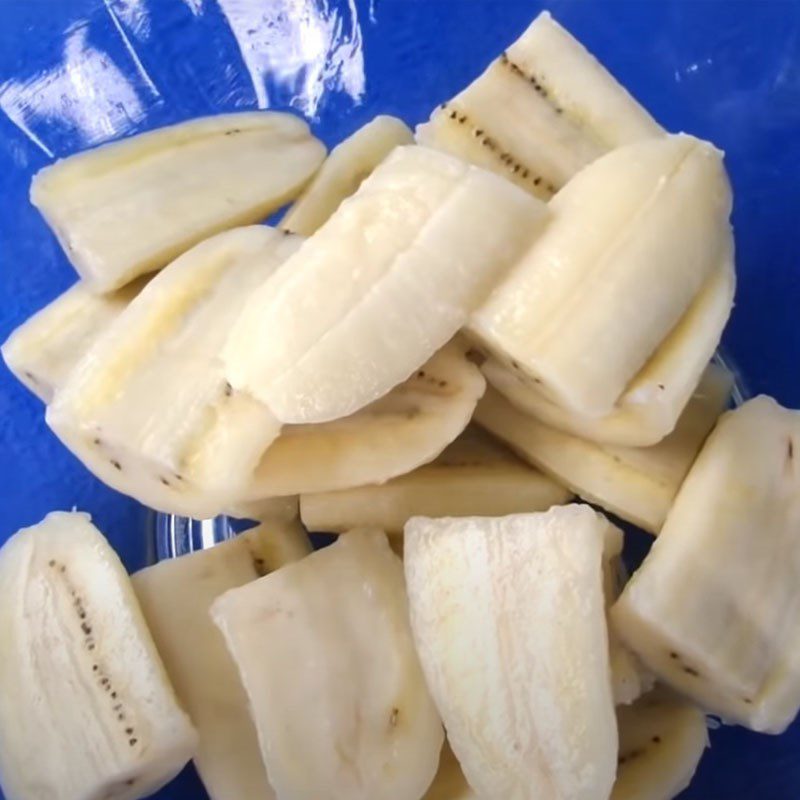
point(348, 164)
point(539, 113)
point(384, 283)
point(713, 608)
point(148, 409)
point(131, 207)
point(337, 695)
point(86, 708)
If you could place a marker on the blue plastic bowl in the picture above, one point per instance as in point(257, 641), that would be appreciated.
point(75, 73)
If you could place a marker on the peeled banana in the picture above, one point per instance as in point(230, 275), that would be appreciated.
point(474, 476)
point(336, 691)
point(539, 113)
point(509, 621)
point(713, 610)
point(130, 207)
point(86, 708)
point(342, 173)
point(637, 484)
point(382, 285)
point(148, 409)
point(176, 596)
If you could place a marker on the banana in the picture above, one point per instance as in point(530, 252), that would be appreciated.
point(148, 409)
point(474, 476)
point(130, 207)
point(539, 113)
point(713, 610)
point(342, 173)
point(632, 239)
point(86, 707)
point(382, 285)
point(509, 621)
point(336, 691)
point(661, 741)
point(283, 509)
point(635, 483)
point(176, 596)
point(449, 783)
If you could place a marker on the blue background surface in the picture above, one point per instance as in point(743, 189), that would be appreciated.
point(79, 72)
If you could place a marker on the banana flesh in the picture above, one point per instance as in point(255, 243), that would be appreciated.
point(86, 707)
point(131, 207)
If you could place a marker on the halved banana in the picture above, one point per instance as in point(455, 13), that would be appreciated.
point(349, 163)
point(713, 610)
point(326, 656)
point(474, 476)
point(176, 596)
point(383, 284)
point(539, 113)
point(130, 207)
point(86, 707)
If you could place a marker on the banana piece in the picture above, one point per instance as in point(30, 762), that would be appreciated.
point(86, 708)
point(382, 285)
point(539, 113)
point(176, 596)
point(45, 348)
point(449, 783)
point(661, 741)
point(131, 207)
point(635, 483)
point(148, 409)
point(342, 173)
point(283, 509)
point(713, 610)
point(335, 688)
point(474, 476)
point(509, 621)
point(633, 238)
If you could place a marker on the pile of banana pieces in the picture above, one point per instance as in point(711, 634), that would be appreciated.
point(450, 335)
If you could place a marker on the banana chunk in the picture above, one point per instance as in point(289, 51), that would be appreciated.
point(539, 113)
point(176, 596)
point(131, 207)
point(148, 409)
point(474, 476)
point(86, 707)
point(509, 621)
point(349, 163)
point(326, 656)
point(637, 484)
point(713, 610)
point(384, 283)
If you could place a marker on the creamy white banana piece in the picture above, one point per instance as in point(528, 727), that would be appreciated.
point(713, 610)
point(524, 691)
point(86, 707)
point(341, 174)
point(380, 287)
point(176, 596)
point(539, 113)
point(131, 207)
point(326, 656)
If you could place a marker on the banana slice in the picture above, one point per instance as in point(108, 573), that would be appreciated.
point(148, 409)
point(539, 113)
point(449, 783)
point(383, 284)
point(336, 691)
point(176, 596)
point(632, 240)
point(130, 207)
point(637, 484)
point(713, 610)
point(474, 476)
point(661, 741)
point(45, 348)
point(86, 708)
point(343, 171)
point(509, 621)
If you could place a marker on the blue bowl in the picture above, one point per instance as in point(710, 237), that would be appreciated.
point(74, 73)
